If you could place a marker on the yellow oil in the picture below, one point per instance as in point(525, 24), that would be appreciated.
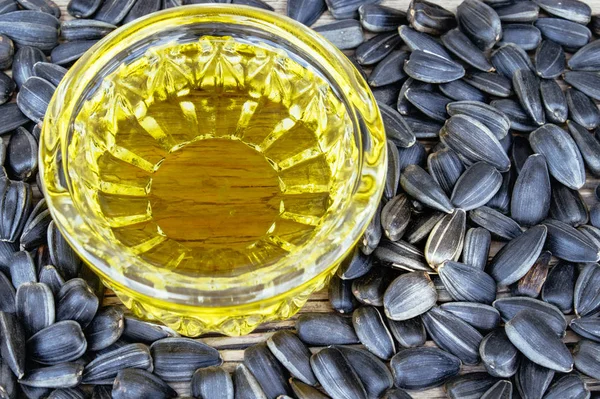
point(213, 157)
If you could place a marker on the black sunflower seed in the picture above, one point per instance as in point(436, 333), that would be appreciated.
point(509, 58)
point(573, 10)
point(476, 186)
point(325, 329)
point(389, 70)
point(22, 269)
point(568, 34)
point(530, 201)
point(586, 294)
point(60, 342)
point(7, 50)
point(498, 355)
point(420, 368)
point(105, 329)
point(568, 386)
point(531, 284)
point(586, 356)
point(461, 46)
point(293, 355)
point(140, 383)
point(245, 384)
point(33, 98)
point(416, 154)
point(409, 296)
point(76, 301)
point(500, 390)
point(62, 255)
point(403, 105)
point(510, 306)
point(554, 101)
point(501, 201)
point(21, 154)
point(559, 287)
point(532, 380)
point(377, 48)
point(12, 343)
point(30, 28)
point(522, 11)
point(586, 82)
point(387, 94)
point(402, 255)
point(373, 332)
point(47, 6)
point(476, 247)
point(470, 385)
point(587, 327)
point(176, 359)
point(459, 90)
point(501, 226)
point(113, 11)
point(377, 18)
point(582, 109)
point(340, 295)
point(549, 60)
point(519, 120)
point(525, 36)
point(35, 307)
point(212, 382)
point(408, 333)
point(445, 241)
point(429, 103)
point(586, 58)
point(430, 18)
point(372, 372)
point(588, 146)
point(141, 8)
point(85, 29)
point(421, 41)
point(68, 52)
point(52, 278)
point(480, 22)
point(7, 87)
point(446, 168)
point(395, 216)
point(527, 87)
point(7, 6)
point(83, 8)
point(492, 118)
point(105, 367)
point(345, 34)
point(396, 128)
point(64, 375)
point(465, 283)
point(24, 60)
point(566, 242)
point(481, 316)
point(336, 375)
point(372, 234)
point(431, 68)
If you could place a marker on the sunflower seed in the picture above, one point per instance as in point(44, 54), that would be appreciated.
point(459, 90)
point(140, 383)
point(64, 375)
point(68, 52)
point(554, 101)
point(336, 374)
point(431, 104)
point(409, 333)
point(498, 355)
point(565, 242)
point(47, 6)
point(480, 22)
point(325, 329)
point(476, 186)
point(445, 241)
point(355, 265)
point(105, 367)
point(302, 391)
point(430, 18)
point(416, 154)
point(30, 28)
point(587, 296)
point(340, 295)
point(586, 58)
point(396, 393)
point(113, 11)
point(522, 11)
point(583, 110)
point(473, 140)
point(420, 185)
point(377, 48)
point(469, 386)
point(530, 202)
point(21, 160)
point(393, 173)
point(7, 6)
point(527, 88)
point(387, 94)
point(480, 316)
point(568, 386)
point(500, 390)
point(401, 255)
point(142, 331)
point(531, 284)
point(253, 3)
point(212, 382)
point(509, 58)
point(8, 381)
point(568, 34)
point(62, 255)
point(83, 8)
point(34, 232)
point(22, 269)
point(501, 201)
point(395, 216)
point(389, 70)
point(453, 335)
point(7, 87)
point(532, 335)
point(574, 10)
point(76, 301)
point(7, 295)
point(372, 234)
point(443, 294)
point(86, 29)
point(501, 226)
point(105, 329)
point(565, 163)
point(35, 307)
point(421, 41)
point(403, 105)
point(493, 119)
point(586, 356)
point(559, 287)
point(7, 50)
point(35, 393)
point(446, 168)
point(372, 372)
point(376, 18)
point(420, 368)
point(52, 278)
point(245, 384)
point(409, 295)
point(176, 359)
point(60, 342)
point(420, 227)
point(586, 82)
point(587, 143)
point(345, 34)
point(24, 59)
point(11, 117)
point(431, 68)
point(141, 8)
point(525, 36)
point(506, 143)
point(465, 283)
point(549, 60)
point(292, 354)
point(396, 128)
point(510, 306)
point(12, 343)
point(519, 120)
point(532, 380)
point(587, 327)
point(372, 332)
point(33, 98)
point(476, 247)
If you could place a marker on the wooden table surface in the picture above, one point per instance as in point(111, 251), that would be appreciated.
point(232, 348)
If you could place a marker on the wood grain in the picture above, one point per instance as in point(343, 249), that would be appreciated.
point(232, 348)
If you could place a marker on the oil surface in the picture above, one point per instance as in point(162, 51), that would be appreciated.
point(212, 157)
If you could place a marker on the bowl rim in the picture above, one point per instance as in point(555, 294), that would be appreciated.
point(255, 285)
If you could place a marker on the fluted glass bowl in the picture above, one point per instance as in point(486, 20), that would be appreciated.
point(125, 176)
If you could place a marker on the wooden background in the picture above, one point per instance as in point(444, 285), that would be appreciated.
point(232, 349)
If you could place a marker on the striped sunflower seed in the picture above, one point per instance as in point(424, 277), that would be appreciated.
point(105, 367)
point(421, 41)
point(389, 70)
point(14, 213)
point(476, 186)
point(12, 343)
point(465, 283)
point(421, 368)
point(355, 265)
point(345, 34)
point(588, 146)
point(245, 384)
point(587, 327)
point(377, 48)
point(480, 316)
point(47, 6)
point(35, 307)
point(459, 90)
point(31, 28)
point(105, 329)
point(476, 247)
point(532, 380)
point(83, 8)
point(22, 269)
point(517, 257)
point(431, 68)
point(64, 375)
point(501, 201)
point(7, 87)
point(34, 232)
point(525, 36)
point(531, 284)
point(11, 117)
point(510, 306)
point(453, 335)
point(52, 278)
point(291, 353)
point(76, 301)
point(531, 334)
point(446, 168)
point(141, 8)
point(68, 52)
point(387, 94)
point(420, 185)
point(550, 60)
point(420, 227)
point(566, 242)
point(509, 58)
point(21, 156)
point(430, 18)
point(568, 34)
point(372, 332)
point(408, 333)
point(325, 329)
point(22, 67)
point(527, 87)
point(445, 241)
point(582, 109)
point(443, 294)
point(142, 384)
point(403, 105)
point(586, 82)
point(480, 22)
point(61, 254)
point(60, 342)
point(303, 391)
point(470, 385)
point(340, 295)
point(559, 287)
point(396, 128)
point(176, 359)
point(586, 356)
point(416, 154)
point(145, 332)
point(519, 120)
point(409, 295)
point(336, 375)
point(113, 11)
point(7, 295)
point(372, 372)
point(498, 355)
point(591, 232)
point(492, 118)
point(7, 50)
point(392, 178)
point(554, 101)
point(85, 29)
point(586, 294)
point(212, 382)
point(395, 216)
point(500, 390)
point(586, 58)
point(530, 201)
point(377, 18)
point(501, 226)
point(568, 386)
point(341, 9)
point(573, 10)
point(564, 160)
point(473, 140)
point(522, 11)
point(431, 104)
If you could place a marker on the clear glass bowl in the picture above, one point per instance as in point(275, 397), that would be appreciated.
point(74, 143)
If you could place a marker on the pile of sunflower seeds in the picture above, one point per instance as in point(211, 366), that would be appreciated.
point(503, 153)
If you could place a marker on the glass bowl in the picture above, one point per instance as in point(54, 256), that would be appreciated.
point(118, 119)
